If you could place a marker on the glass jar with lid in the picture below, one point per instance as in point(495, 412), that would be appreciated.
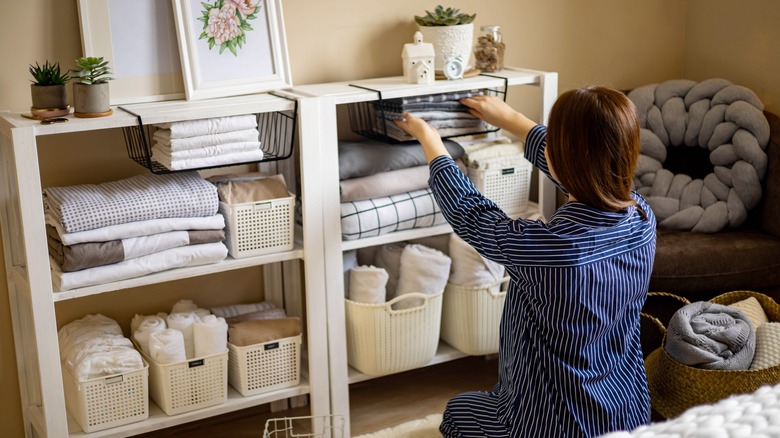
point(489, 52)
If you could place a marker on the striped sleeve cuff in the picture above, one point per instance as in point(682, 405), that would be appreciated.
point(441, 162)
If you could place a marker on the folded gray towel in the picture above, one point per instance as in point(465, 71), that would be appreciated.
point(711, 336)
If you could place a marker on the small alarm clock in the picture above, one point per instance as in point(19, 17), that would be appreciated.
point(454, 68)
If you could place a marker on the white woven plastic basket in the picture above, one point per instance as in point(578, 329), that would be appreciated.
point(188, 385)
point(508, 186)
point(257, 228)
point(110, 401)
point(383, 341)
point(471, 317)
point(259, 368)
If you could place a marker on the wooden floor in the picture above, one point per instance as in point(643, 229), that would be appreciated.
point(375, 404)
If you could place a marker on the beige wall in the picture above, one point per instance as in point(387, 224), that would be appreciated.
point(738, 41)
point(610, 42)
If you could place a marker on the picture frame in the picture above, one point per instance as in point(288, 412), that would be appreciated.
point(231, 47)
point(138, 39)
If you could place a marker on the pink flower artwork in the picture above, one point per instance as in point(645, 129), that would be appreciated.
point(225, 23)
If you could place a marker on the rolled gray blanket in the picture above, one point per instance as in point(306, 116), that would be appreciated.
point(711, 336)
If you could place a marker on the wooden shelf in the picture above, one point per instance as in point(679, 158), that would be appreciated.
point(444, 353)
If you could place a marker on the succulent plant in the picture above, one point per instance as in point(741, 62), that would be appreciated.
point(48, 74)
point(92, 70)
point(444, 17)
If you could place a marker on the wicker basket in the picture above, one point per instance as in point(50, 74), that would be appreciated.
point(471, 316)
point(675, 387)
point(381, 340)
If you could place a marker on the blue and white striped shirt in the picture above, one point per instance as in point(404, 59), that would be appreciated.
point(570, 360)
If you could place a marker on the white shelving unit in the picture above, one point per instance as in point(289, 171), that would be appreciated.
point(32, 298)
point(319, 115)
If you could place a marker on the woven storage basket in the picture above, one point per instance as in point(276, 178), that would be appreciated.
point(508, 186)
point(260, 368)
point(257, 228)
point(675, 387)
point(383, 341)
point(470, 317)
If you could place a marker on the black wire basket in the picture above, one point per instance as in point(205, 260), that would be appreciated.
point(277, 136)
point(374, 119)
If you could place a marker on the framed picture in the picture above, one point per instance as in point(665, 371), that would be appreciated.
point(231, 47)
point(138, 39)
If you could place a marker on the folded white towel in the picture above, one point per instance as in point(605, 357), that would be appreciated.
point(167, 346)
point(197, 163)
point(239, 309)
point(205, 152)
point(183, 306)
point(163, 138)
point(367, 284)
point(424, 270)
point(388, 257)
point(183, 322)
point(469, 268)
point(216, 125)
point(210, 335)
point(149, 325)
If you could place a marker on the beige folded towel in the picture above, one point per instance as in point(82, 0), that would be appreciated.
point(751, 308)
point(252, 190)
point(262, 331)
point(767, 346)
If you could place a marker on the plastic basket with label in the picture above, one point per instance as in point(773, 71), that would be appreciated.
point(259, 368)
point(257, 228)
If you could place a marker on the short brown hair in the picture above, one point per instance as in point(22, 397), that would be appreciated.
point(593, 146)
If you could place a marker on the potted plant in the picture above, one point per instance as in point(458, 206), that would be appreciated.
point(90, 89)
point(450, 31)
point(48, 92)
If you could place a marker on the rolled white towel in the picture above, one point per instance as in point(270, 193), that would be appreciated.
point(167, 346)
point(367, 284)
point(469, 268)
point(135, 322)
point(183, 322)
point(150, 324)
point(210, 334)
point(424, 270)
point(184, 306)
point(201, 313)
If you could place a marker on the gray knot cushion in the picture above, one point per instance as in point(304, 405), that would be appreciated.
point(727, 123)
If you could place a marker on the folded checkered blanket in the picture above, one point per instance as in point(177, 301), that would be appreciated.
point(377, 216)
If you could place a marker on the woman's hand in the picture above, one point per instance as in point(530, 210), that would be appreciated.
point(428, 137)
point(498, 113)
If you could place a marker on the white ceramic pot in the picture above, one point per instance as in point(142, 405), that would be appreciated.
point(449, 42)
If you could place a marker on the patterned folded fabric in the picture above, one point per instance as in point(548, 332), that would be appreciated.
point(377, 216)
point(142, 197)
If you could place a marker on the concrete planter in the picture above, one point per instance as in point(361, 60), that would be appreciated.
point(449, 42)
point(49, 96)
point(92, 99)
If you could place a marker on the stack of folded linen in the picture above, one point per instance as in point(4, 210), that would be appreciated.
point(384, 188)
point(94, 346)
point(203, 143)
point(442, 111)
point(132, 227)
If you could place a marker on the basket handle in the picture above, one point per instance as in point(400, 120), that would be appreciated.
point(498, 292)
point(655, 320)
point(408, 296)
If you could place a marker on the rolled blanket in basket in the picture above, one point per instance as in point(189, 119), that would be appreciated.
point(216, 125)
point(423, 270)
point(274, 313)
point(238, 309)
point(751, 308)
point(262, 331)
point(167, 346)
point(767, 346)
point(711, 336)
point(210, 335)
point(163, 138)
point(469, 268)
point(367, 284)
point(142, 197)
point(183, 322)
point(136, 229)
point(149, 325)
point(388, 257)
